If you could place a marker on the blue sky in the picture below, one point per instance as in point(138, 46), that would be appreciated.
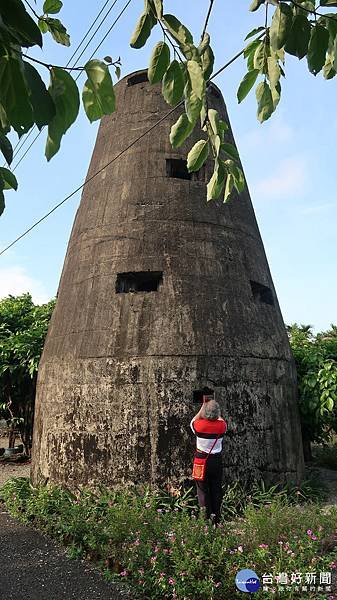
point(289, 164)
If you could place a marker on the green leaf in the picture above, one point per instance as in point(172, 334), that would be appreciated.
point(254, 32)
point(2, 200)
point(216, 183)
point(64, 93)
point(158, 4)
point(52, 7)
point(260, 56)
point(237, 175)
point(276, 94)
point(142, 31)
point(213, 117)
point(43, 25)
point(318, 45)
point(197, 156)
point(6, 148)
point(118, 72)
point(274, 72)
point(280, 26)
point(57, 30)
point(255, 5)
point(250, 51)
point(196, 78)
point(204, 44)
point(190, 52)
point(180, 131)
point(173, 83)
point(299, 36)
point(159, 62)
point(41, 101)
point(9, 179)
point(247, 84)
point(230, 150)
point(98, 92)
point(228, 187)
point(14, 94)
point(15, 16)
point(265, 101)
point(328, 2)
point(193, 104)
point(177, 30)
point(207, 62)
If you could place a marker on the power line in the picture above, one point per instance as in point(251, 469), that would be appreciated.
point(92, 177)
point(114, 159)
point(76, 62)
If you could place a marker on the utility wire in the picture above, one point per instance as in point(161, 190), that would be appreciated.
point(76, 62)
point(114, 159)
point(93, 176)
point(21, 143)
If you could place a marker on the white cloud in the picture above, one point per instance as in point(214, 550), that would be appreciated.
point(15, 281)
point(320, 208)
point(264, 137)
point(288, 178)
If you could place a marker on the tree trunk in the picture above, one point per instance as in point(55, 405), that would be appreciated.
point(11, 439)
point(307, 450)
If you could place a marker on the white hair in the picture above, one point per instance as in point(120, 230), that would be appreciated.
point(211, 410)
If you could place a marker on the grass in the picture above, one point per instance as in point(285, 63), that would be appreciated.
point(159, 544)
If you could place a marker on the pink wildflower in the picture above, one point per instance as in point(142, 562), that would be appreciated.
point(124, 574)
point(332, 565)
point(218, 584)
point(309, 532)
point(264, 546)
point(313, 537)
point(171, 581)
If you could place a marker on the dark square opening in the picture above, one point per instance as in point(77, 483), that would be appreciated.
point(262, 293)
point(177, 167)
point(198, 395)
point(141, 281)
point(138, 78)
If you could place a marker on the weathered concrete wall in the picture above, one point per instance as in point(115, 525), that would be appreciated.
point(118, 370)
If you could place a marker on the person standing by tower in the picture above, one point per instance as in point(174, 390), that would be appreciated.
point(209, 428)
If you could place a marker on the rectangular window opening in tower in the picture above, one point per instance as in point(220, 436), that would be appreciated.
point(141, 281)
point(177, 168)
point(138, 78)
point(204, 394)
point(262, 293)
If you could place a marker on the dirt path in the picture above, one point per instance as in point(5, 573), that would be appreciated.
point(10, 469)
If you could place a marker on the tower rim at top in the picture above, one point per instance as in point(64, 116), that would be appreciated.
point(140, 71)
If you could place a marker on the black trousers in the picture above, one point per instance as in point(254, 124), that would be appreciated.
point(210, 490)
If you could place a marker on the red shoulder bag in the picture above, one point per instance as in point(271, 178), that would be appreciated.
point(199, 464)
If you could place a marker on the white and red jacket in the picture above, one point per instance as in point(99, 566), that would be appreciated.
point(207, 431)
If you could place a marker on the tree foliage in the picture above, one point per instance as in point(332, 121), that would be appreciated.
point(23, 328)
point(288, 27)
point(316, 362)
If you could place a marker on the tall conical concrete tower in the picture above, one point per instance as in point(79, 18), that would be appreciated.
point(161, 294)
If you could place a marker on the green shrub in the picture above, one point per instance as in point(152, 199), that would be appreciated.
point(326, 456)
point(165, 550)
